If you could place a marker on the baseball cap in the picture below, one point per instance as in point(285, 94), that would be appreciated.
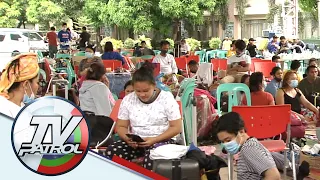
point(251, 39)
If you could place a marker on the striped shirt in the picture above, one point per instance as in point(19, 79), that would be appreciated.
point(254, 159)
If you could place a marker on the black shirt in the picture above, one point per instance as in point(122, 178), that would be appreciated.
point(252, 50)
point(85, 37)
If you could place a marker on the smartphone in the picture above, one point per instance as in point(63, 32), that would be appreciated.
point(135, 138)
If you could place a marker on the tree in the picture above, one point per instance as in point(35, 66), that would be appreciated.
point(189, 10)
point(43, 12)
point(132, 14)
point(12, 12)
point(310, 9)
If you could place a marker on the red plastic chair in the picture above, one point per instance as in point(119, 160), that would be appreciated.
point(115, 110)
point(253, 60)
point(219, 64)
point(156, 70)
point(264, 67)
point(181, 62)
point(192, 57)
point(263, 122)
point(113, 64)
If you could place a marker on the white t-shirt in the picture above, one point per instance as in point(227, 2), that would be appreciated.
point(167, 64)
point(149, 120)
point(238, 60)
point(9, 108)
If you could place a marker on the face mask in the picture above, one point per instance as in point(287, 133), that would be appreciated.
point(293, 83)
point(232, 147)
point(26, 98)
point(88, 55)
point(150, 99)
point(278, 65)
point(164, 51)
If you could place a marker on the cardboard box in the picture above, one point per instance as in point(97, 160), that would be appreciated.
point(76, 59)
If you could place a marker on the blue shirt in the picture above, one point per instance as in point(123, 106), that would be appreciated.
point(272, 48)
point(111, 56)
point(64, 36)
point(273, 87)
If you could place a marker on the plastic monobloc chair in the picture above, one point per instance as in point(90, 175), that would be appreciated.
point(263, 122)
point(232, 89)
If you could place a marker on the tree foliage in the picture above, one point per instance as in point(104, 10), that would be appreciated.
point(43, 11)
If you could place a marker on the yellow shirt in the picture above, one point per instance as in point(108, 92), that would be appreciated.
point(231, 53)
point(299, 76)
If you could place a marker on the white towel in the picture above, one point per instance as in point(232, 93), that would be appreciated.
point(168, 151)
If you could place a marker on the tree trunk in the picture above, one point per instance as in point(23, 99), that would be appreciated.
point(131, 33)
point(175, 30)
point(98, 39)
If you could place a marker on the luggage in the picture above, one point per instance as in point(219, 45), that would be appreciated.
point(177, 169)
point(100, 128)
point(206, 113)
point(117, 81)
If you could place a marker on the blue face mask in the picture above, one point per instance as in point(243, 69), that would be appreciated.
point(89, 55)
point(232, 147)
point(293, 83)
point(27, 99)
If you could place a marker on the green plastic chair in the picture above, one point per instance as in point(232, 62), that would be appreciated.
point(222, 54)
point(202, 55)
point(63, 56)
point(146, 57)
point(126, 53)
point(187, 87)
point(69, 70)
point(81, 53)
point(40, 56)
point(211, 54)
point(156, 52)
point(115, 97)
point(233, 89)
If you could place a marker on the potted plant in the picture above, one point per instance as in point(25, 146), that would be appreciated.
point(129, 43)
point(117, 44)
point(171, 43)
point(144, 38)
point(193, 43)
point(214, 43)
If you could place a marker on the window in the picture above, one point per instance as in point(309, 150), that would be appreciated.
point(2, 36)
point(253, 28)
point(15, 37)
point(32, 36)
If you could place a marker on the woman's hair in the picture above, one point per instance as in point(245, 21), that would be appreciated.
point(96, 71)
point(244, 77)
point(286, 78)
point(255, 81)
point(274, 70)
point(108, 47)
point(92, 47)
point(129, 83)
point(144, 74)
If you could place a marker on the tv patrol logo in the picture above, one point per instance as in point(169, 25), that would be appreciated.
point(50, 136)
